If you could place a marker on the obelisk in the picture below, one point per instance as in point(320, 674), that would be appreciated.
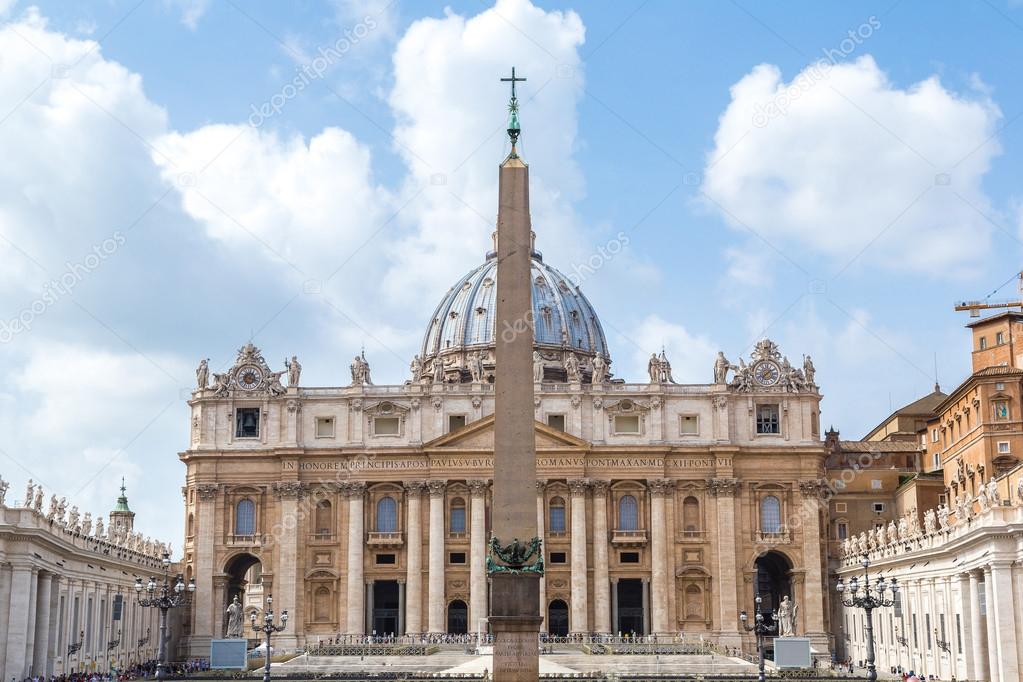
point(515, 560)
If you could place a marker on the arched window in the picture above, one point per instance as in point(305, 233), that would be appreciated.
point(387, 515)
point(770, 515)
point(191, 525)
point(691, 515)
point(245, 518)
point(324, 518)
point(457, 515)
point(557, 515)
point(628, 513)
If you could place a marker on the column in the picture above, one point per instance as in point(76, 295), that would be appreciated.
point(19, 623)
point(355, 492)
point(601, 581)
point(414, 559)
point(33, 616)
point(646, 606)
point(725, 489)
point(578, 617)
point(53, 633)
point(659, 490)
point(477, 553)
point(812, 609)
point(401, 608)
point(5, 611)
point(614, 607)
point(368, 616)
point(970, 615)
point(992, 629)
point(1003, 607)
point(435, 598)
point(205, 519)
point(541, 526)
point(42, 632)
point(286, 578)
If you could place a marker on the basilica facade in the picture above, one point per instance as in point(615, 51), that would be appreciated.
point(663, 507)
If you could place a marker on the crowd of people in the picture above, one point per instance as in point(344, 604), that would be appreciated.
point(140, 671)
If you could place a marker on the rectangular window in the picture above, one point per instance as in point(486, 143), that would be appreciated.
point(936, 461)
point(767, 419)
point(458, 519)
point(843, 531)
point(927, 629)
point(246, 422)
point(386, 426)
point(386, 559)
point(983, 342)
point(915, 641)
point(559, 558)
point(455, 422)
point(875, 484)
point(556, 421)
point(689, 425)
point(627, 424)
point(999, 386)
point(1001, 410)
point(456, 558)
point(557, 519)
point(324, 427)
point(878, 507)
point(628, 557)
point(999, 338)
point(841, 507)
point(959, 633)
point(934, 435)
point(1003, 447)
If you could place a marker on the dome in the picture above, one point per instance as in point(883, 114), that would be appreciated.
point(565, 323)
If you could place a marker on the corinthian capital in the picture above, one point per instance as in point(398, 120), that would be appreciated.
point(207, 491)
point(661, 487)
point(579, 486)
point(414, 488)
point(436, 488)
point(600, 487)
point(477, 487)
point(353, 489)
point(723, 487)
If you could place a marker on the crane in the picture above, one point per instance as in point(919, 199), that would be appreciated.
point(987, 304)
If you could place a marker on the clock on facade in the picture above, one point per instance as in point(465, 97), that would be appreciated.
point(767, 372)
point(249, 377)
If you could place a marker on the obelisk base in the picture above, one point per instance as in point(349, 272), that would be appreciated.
point(515, 623)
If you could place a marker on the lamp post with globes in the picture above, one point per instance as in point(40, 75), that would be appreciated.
point(268, 628)
point(760, 628)
point(164, 597)
point(868, 598)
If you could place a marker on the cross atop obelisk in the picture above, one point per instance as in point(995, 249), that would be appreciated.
point(513, 111)
point(515, 559)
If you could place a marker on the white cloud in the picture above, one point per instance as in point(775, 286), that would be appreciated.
point(446, 80)
point(191, 11)
point(691, 355)
point(6, 6)
point(852, 158)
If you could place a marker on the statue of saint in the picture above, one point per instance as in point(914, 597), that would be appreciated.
point(29, 490)
point(653, 368)
point(417, 369)
point(808, 370)
point(572, 367)
point(39, 499)
point(294, 371)
point(4, 486)
point(721, 367)
point(99, 528)
point(234, 619)
point(202, 373)
point(476, 366)
point(360, 371)
point(787, 618)
point(599, 375)
point(993, 495)
point(537, 366)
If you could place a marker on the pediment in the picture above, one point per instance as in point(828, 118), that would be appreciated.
point(479, 435)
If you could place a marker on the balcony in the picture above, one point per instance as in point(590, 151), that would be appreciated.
point(777, 538)
point(234, 539)
point(628, 538)
point(377, 539)
point(691, 536)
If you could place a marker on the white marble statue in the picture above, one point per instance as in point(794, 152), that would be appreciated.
point(930, 522)
point(416, 367)
point(294, 371)
point(787, 617)
point(4, 487)
point(202, 373)
point(994, 496)
point(29, 494)
point(87, 524)
point(721, 367)
point(53, 508)
point(61, 510)
point(882, 535)
point(808, 370)
point(99, 528)
point(943, 512)
point(72, 518)
point(599, 370)
point(914, 524)
point(476, 366)
point(653, 368)
point(893, 532)
point(234, 619)
point(903, 529)
point(537, 366)
point(360, 371)
point(572, 367)
point(982, 499)
point(38, 506)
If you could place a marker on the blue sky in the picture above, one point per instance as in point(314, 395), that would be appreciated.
point(770, 174)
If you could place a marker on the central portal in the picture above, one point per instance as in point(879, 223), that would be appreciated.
point(630, 607)
point(385, 607)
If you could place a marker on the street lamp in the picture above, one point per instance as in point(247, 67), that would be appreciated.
point(74, 647)
point(761, 628)
point(868, 598)
point(164, 597)
point(268, 628)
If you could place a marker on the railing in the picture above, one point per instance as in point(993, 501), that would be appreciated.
point(385, 539)
point(691, 535)
point(321, 536)
point(775, 538)
point(628, 537)
point(243, 539)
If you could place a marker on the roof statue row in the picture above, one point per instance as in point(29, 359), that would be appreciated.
point(767, 371)
point(73, 521)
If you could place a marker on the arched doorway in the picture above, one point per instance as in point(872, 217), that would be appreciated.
point(458, 617)
point(245, 581)
point(557, 618)
point(774, 580)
